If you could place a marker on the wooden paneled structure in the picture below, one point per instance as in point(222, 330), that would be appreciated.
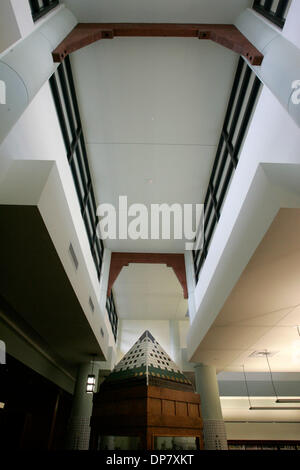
point(146, 396)
point(146, 411)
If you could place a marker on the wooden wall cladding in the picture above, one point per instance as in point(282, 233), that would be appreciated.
point(147, 411)
point(155, 406)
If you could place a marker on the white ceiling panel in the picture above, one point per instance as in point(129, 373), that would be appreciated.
point(264, 320)
point(153, 90)
point(292, 318)
point(152, 111)
point(197, 11)
point(232, 337)
point(263, 310)
point(149, 291)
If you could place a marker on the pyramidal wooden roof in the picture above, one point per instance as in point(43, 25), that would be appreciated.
point(147, 362)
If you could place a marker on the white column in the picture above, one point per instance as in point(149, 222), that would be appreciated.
point(191, 283)
point(175, 350)
point(23, 82)
point(104, 278)
point(280, 66)
point(79, 427)
point(213, 424)
point(22, 12)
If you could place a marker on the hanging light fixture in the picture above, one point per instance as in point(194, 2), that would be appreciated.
point(278, 400)
point(91, 380)
point(247, 389)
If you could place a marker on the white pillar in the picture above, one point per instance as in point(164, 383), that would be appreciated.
point(79, 427)
point(23, 82)
point(213, 424)
point(191, 283)
point(280, 66)
point(175, 350)
point(104, 278)
point(22, 12)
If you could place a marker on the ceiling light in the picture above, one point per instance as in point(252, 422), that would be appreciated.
point(267, 354)
point(2, 405)
point(90, 384)
point(288, 400)
point(282, 400)
point(263, 353)
point(274, 408)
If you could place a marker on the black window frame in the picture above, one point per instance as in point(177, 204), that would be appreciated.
point(276, 16)
point(65, 99)
point(112, 315)
point(243, 97)
point(38, 10)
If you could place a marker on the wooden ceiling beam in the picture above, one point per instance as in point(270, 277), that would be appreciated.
point(172, 260)
point(225, 34)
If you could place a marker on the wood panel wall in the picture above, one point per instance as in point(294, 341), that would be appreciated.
point(146, 412)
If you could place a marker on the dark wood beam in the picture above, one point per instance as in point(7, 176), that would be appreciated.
point(234, 40)
point(175, 261)
point(225, 34)
point(82, 35)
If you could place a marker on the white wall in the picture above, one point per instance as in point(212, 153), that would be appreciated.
point(291, 28)
point(9, 29)
point(262, 183)
point(22, 12)
point(273, 141)
point(34, 143)
point(183, 331)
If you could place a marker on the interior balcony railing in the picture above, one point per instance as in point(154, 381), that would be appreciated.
point(274, 10)
point(65, 99)
point(242, 101)
point(40, 8)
